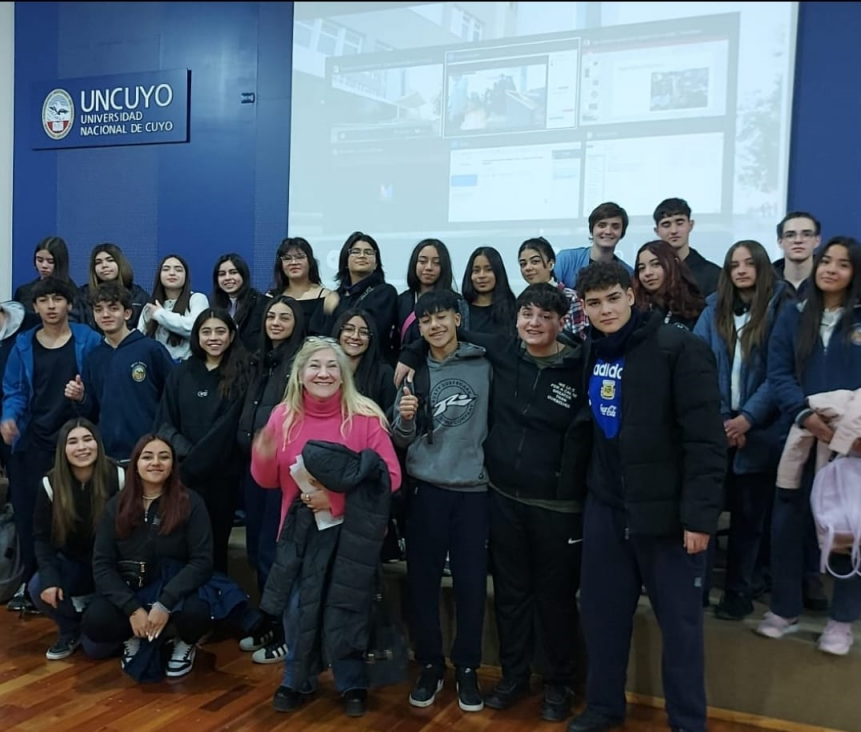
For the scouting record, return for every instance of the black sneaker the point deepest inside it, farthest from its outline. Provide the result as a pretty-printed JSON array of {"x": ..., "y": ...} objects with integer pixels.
[
  {"x": 557, "y": 703},
  {"x": 428, "y": 685},
  {"x": 506, "y": 693},
  {"x": 273, "y": 653},
  {"x": 468, "y": 691},
  {"x": 733, "y": 607},
  {"x": 63, "y": 648},
  {"x": 356, "y": 702},
  {"x": 288, "y": 700},
  {"x": 267, "y": 633},
  {"x": 21, "y": 603},
  {"x": 589, "y": 721}
]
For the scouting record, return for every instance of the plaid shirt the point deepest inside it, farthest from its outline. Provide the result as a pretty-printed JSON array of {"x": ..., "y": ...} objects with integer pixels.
[{"x": 575, "y": 320}]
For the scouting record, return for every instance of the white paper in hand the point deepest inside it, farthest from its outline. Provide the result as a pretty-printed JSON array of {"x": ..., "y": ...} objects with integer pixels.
[{"x": 300, "y": 474}]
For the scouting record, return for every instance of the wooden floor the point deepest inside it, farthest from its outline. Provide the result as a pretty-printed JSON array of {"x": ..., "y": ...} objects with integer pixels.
[{"x": 225, "y": 691}]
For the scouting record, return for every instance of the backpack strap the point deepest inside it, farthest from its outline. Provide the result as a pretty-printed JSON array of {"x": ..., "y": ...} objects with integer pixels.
[
  {"x": 411, "y": 318},
  {"x": 46, "y": 484}
]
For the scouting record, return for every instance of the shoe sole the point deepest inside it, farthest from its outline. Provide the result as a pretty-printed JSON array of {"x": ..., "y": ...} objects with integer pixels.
[
  {"x": 789, "y": 631},
  {"x": 178, "y": 674},
  {"x": 419, "y": 704},
  {"x": 285, "y": 708},
  {"x": 58, "y": 657},
  {"x": 264, "y": 660},
  {"x": 354, "y": 713},
  {"x": 470, "y": 707}
]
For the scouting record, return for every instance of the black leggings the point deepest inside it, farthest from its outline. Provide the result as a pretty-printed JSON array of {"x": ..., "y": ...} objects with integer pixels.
[{"x": 104, "y": 622}]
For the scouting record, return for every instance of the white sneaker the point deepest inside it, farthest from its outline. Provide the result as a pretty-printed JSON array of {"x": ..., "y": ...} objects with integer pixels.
[
  {"x": 774, "y": 626},
  {"x": 836, "y": 639},
  {"x": 181, "y": 660},
  {"x": 261, "y": 640},
  {"x": 273, "y": 653},
  {"x": 130, "y": 650}
]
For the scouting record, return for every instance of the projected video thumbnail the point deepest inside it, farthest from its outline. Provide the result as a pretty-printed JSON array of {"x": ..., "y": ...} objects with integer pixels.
[
  {"x": 687, "y": 89},
  {"x": 497, "y": 99},
  {"x": 679, "y": 81},
  {"x": 378, "y": 102}
]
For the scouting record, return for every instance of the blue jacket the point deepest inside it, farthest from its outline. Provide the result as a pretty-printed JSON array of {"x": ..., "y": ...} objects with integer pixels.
[
  {"x": 827, "y": 369},
  {"x": 756, "y": 400},
  {"x": 122, "y": 390},
  {"x": 569, "y": 262},
  {"x": 18, "y": 378}
]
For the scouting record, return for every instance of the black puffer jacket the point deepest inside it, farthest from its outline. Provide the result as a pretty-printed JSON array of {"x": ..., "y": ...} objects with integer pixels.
[{"x": 337, "y": 567}]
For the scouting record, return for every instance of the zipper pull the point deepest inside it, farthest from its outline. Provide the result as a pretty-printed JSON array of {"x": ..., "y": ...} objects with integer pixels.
[{"x": 627, "y": 534}]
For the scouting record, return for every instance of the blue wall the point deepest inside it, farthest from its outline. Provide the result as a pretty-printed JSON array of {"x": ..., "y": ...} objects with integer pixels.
[
  {"x": 825, "y": 152},
  {"x": 225, "y": 190}
]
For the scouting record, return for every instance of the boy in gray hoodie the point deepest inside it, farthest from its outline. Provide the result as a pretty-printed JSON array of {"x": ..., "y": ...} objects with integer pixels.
[{"x": 441, "y": 418}]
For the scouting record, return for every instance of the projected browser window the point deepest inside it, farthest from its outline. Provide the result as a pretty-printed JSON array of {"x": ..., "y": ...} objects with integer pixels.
[{"x": 487, "y": 123}]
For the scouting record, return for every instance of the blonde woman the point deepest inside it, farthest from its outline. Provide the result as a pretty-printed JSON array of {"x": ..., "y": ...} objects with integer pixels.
[{"x": 322, "y": 405}]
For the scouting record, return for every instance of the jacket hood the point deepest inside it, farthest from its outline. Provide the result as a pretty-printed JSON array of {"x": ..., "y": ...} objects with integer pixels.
[
  {"x": 14, "y": 318},
  {"x": 339, "y": 468},
  {"x": 132, "y": 338},
  {"x": 468, "y": 350}
]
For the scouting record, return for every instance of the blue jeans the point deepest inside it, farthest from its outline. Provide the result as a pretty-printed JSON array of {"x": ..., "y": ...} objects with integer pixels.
[
  {"x": 77, "y": 581},
  {"x": 846, "y": 600},
  {"x": 349, "y": 673}
]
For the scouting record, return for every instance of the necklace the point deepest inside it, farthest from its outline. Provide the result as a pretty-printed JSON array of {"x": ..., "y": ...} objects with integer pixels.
[{"x": 152, "y": 498}]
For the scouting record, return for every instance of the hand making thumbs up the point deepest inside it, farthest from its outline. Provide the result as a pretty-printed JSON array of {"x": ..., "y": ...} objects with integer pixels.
[
  {"x": 409, "y": 404},
  {"x": 75, "y": 389}
]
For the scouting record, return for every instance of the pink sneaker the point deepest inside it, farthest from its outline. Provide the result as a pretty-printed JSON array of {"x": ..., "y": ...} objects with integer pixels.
[
  {"x": 774, "y": 626},
  {"x": 836, "y": 638}
]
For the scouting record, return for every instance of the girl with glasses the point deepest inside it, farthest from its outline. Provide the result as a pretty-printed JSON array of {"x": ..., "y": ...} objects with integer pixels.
[
  {"x": 361, "y": 284},
  {"x": 297, "y": 275}
]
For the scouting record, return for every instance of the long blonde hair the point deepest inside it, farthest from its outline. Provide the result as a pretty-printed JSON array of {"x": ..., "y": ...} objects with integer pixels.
[{"x": 352, "y": 402}]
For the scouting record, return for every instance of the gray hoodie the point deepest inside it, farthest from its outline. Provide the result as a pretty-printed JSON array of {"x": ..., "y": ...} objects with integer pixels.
[
  {"x": 14, "y": 317},
  {"x": 459, "y": 395}
]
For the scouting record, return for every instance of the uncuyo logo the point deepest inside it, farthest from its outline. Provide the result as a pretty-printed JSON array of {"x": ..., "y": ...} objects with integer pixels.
[{"x": 58, "y": 114}]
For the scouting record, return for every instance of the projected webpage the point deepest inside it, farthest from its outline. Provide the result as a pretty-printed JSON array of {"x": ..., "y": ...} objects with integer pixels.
[{"x": 487, "y": 123}]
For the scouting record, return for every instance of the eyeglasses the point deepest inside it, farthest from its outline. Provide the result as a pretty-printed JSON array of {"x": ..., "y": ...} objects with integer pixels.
[
  {"x": 353, "y": 330},
  {"x": 301, "y": 257},
  {"x": 363, "y": 253},
  {"x": 806, "y": 235}
]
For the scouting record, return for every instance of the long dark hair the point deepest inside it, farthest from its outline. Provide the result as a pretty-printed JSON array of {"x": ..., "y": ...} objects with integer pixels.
[
  {"x": 64, "y": 483},
  {"x": 365, "y": 376},
  {"x": 174, "y": 506},
  {"x": 303, "y": 245},
  {"x": 445, "y": 281},
  {"x": 181, "y": 304},
  {"x": 291, "y": 346},
  {"x": 125, "y": 274},
  {"x": 502, "y": 310},
  {"x": 680, "y": 294},
  {"x": 56, "y": 247},
  {"x": 755, "y": 332},
  {"x": 247, "y": 295},
  {"x": 234, "y": 360},
  {"x": 343, "y": 276},
  {"x": 807, "y": 336}
]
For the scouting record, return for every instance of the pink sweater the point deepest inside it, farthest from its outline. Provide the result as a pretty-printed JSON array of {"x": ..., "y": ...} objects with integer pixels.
[{"x": 322, "y": 421}]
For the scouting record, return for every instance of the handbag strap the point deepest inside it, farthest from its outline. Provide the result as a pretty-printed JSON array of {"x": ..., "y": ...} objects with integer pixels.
[{"x": 411, "y": 318}]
